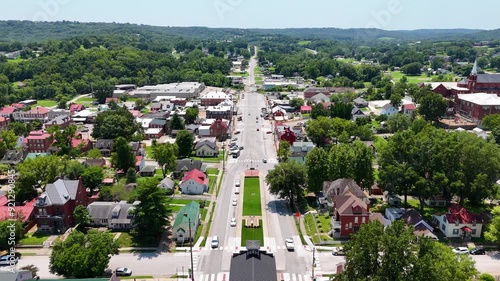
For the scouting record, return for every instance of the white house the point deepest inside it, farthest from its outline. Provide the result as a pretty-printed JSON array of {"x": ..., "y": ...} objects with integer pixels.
[
  {"x": 459, "y": 222},
  {"x": 116, "y": 216},
  {"x": 389, "y": 110},
  {"x": 194, "y": 182},
  {"x": 187, "y": 218},
  {"x": 167, "y": 184},
  {"x": 207, "y": 147},
  {"x": 357, "y": 113}
]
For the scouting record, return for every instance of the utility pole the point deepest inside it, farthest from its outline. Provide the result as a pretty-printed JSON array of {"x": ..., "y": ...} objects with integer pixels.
[
  {"x": 191, "y": 249},
  {"x": 314, "y": 264}
]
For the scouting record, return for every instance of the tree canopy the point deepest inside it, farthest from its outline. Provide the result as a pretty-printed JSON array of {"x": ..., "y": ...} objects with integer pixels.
[
  {"x": 111, "y": 124},
  {"x": 184, "y": 141},
  {"x": 122, "y": 156},
  {"x": 287, "y": 180}
]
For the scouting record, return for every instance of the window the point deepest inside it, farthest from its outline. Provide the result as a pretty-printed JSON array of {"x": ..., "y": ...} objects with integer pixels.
[
  {"x": 350, "y": 225},
  {"x": 42, "y": 212},
  {"x": 455, "y": 231},
  {"x": 363, "y": 220},
  {"x": 346, "y": 226},
  {"x": 443, "y": 227},
  {"x": 474, "y": 231},
  {"x": 356, "y": 220}
]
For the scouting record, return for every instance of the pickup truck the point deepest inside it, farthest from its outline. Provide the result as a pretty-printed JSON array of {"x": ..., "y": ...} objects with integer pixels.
[{"x": 289, "y": 244}]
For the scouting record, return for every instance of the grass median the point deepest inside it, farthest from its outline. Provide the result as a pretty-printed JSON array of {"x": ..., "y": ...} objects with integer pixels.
[{"x": 251, "y": 197}]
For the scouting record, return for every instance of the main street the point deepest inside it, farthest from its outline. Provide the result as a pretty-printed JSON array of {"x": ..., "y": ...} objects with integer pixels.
[{"x": 278, "y": 219}]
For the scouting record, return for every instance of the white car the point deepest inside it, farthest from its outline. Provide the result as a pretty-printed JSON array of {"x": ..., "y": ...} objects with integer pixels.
[
  {"x": 338, "y": 251},
  {"x": 7, "y": 260},
  {"x": 237, "y": 191},
  {"x": 215, "y": 242},
  {"x": 289, "y": 244},
  {"x": 235, "y": 202},
  {"x": 123, "y": 271},
  {"x": 237, "y": 182},
  {"x": 233, "y": 222},
  {"x": 461, "y": 250}
]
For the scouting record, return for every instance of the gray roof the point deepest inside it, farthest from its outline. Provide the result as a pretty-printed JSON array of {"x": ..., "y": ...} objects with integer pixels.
[
  {"x": 117, "y": 212},
  {"x": 104, "y": 143},
  {"x": 357, "y": 111},
  {"x": 167, "y": 183},
  {"x": 342, "y": 187},
  {"x": 59, "y": 120},
  {"x": 488, "y": 78},
  {"x": 188, "y": 164},
  {"x": 13, "y": 157},
  {"x": 158, "y": 121},
  {"x": 320, "y": 97},
  {"x": 60, "y": 192},
  {"x": 210, "y": 142},
  {"x": 260, "y": 267}
]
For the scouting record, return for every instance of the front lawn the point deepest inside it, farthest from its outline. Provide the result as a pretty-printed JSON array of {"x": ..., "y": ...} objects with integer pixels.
[
  {"x": 211, "y": 183},
  {"x": 248, "y": 233},
  {"x": 209, "y": 159},
  {"x": 212, "y": 171},
  {"x": 379, "y": 143},
  {"x": 33, "y": 239},
  {"x": 46, "y": 103},
  {"x": 85, "y": 100},
  {"x": 251, "y": 197},
  {"x": 126, "y": 240}
]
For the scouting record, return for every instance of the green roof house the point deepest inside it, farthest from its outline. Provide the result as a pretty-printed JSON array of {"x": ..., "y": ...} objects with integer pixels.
[{"x": 188, "y": 214}]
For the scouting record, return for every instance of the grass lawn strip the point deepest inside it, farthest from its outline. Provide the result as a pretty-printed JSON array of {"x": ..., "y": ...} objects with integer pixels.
[
  {"x": 248, "y": 233},
  {"x": 251, "y": 197}
]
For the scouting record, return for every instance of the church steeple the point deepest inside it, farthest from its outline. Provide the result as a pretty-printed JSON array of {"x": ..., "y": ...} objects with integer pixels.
[{"x": 474, "y": 69}]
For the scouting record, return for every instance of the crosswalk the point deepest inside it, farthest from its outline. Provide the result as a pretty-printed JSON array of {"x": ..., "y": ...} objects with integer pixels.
[
  {"x": 221, "y": 276},
  {"x": 294, "y": 277},
  {"x": 232, "y": 161},
  {"x": 231, "y": 249}
]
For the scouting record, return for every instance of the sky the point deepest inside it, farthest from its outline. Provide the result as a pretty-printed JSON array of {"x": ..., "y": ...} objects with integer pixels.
[{"x": 384, "y": 14}]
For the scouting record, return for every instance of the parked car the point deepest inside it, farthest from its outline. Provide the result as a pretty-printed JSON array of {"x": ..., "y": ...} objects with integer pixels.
[
  {"x": 237, "y": 191},
  {"x": 235, "y": 202},
  {"x": 233, "y": 222},
  {"x": 289, "y": 244},
  {"x": 477, "y": 251},
  {"x": 215, "y": 242},
  {"x": 269, "y": 132},
  {"x": 237, "y": 132},
  {"x": 237, "y": 182},
  {"x": 241, "y": 147},
  {"x": 461, "y": 250},
  {"x": 264, "y": 160},
  {"x": 6, "y": 260},
  {"x": 123, "y": 271},
  {"x": 338, "y": 251},
  {"x": 234, "y": 139}
]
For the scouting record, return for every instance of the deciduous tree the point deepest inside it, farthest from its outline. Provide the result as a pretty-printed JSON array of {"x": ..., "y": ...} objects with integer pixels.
[
  {"x": 176, "y": 123},
  {"x": 83, "y": 255},
  {"x": 111, "y": 124},
  {"x": 10, "y": 233},
  {"x": 122, "y": 156},
  {"x": 92, "y": 177},
  {"x": 287, "y": 180},
  {"x": 192, "y": 114},
  {"x": 82, "y": 216},
  {"x": 317, "y": 169},
  {"x": 184, "y": 141},
  {"x": 284, "y": 151},
  {"x": 432, "y": 107},
  {"x": 493, "y": 232},
  {"x": 165, "y": 154}
]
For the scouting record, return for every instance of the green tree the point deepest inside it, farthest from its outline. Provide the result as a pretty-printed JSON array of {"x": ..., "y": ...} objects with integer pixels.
[
  {"x": 102, "y": 90},
  {"x": 287, "y": 180},
  {"x": 176, "y": 123},
  {"x": 341, "y": 110},
  {"x": 94, "y": 153},
  {"x": 491, "y": 121},
  {"x": 493, "y": 232},
  {"x": 486, "y": 277},
  {"x": 36, "y": 172},
  {"x": 63, "y": 140},
  {"x": 316, "y": 169},
  {"x": 83, "y": 255},
  {"x": 395, "y": 254},
  {"x": 140, "y": 104},
  {"x": 152, "y": 212},
  {"x": 9, "y": 138},
  {"x": 18, "y": 128},
  {"x": 82, "y": 216},
  {"x": 92, "y": 177},
  {"x": 432, "y": 107},
  {"x": 192, "y": 114},
  {"x": 318, "y": 110},
  {"x": 7, "y": 240},
  {"x": 184, "y": 141},
  {"x": 115, "y": 123},
  {"x": 131, "y": 176},
  {"x": 165, "y": 154},
  {"x": 74, "y": 169},
  {"x": 398, "y": 122},
  {"x": 362, "y": 165},
  {"x": 284, "y": 151},
  {"x": 296, "y": 103},
  {"x": 122, "y": 156}
]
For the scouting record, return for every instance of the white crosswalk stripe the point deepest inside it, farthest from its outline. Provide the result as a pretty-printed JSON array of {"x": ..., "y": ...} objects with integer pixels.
[
  {"x": 300, "y": 277},
  {"x": 233, "y": 161},
  {"x": 294, "y": 277},
  {"x": 221, "y": 276},
  {"x": 286, "y": 276}
]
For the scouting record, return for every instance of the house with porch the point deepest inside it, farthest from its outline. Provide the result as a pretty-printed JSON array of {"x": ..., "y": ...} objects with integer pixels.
[
  {"x": 54, "y": 207},
  {"x": 186, "y": 165},
  {"x": 288, "y": 136},
  {"x": 299, "y": 150},
  {"x": 388, "y": 109},
  {"x": 105, "y": 146},
  {"x": 113, "y": 215},
  {"x": 207, "y": 147},
  {"x": 187, "y": 219},
  {"x": 459, "y": 222},
  {"x": 357, "y": 113},
  {"x": 194, "y": 182},
  {"x": 350, "y": 212}
]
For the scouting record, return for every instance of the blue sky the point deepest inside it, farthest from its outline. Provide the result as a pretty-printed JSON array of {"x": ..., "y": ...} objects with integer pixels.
[{"x": 385, "y": 14}]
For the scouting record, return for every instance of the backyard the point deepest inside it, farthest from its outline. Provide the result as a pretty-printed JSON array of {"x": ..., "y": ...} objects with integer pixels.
[
  {"x": 251, "y": 197},
  {"x": 317, "y": 228}
]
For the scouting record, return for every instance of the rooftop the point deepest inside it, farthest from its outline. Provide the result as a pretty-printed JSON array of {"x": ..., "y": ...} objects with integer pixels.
[{"x": 481, "y": 98}]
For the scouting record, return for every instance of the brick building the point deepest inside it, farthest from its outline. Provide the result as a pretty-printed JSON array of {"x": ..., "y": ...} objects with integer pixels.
[
  {"x": 38, "y": 142},
  {"x": 481, "y": 83},
  {"x": 476, "y": 106}
]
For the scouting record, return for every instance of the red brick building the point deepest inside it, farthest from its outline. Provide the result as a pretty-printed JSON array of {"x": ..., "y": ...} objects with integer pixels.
[
  {"x": 38, "y": 141},
  {"x": 481, "y": 83},
  {"x": 4, "y": 122},
  {"x": 288, "y": 136},
  {"x": 219, "y": 129},
  {"x": 445, "y": 89},
  {"x": 37, "y": 113},
  {"x": 73, "y": 108},
  {"x": 54, "y": 208},
  {"x": 476, "y": 106},
  {"x": 214, "y": 98},
  {"x": 350, "y": 213}
]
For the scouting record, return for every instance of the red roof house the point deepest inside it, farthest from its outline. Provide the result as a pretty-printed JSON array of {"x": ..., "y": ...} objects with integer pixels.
[
  {"x": 459, "y": 222},
  {"x": 108, "y": 100},
  {"x": 409, "y": 108},
  {"x": 194, "y": 182},
  {"x": 218, "y": 129},
  {"x": 305, "y": 109},
  {"x": 288, "y": 136},
  {"x": 7, "y": 111},
  {"x": 22, "y": 213},
  {"x": 76, "y": 107}
]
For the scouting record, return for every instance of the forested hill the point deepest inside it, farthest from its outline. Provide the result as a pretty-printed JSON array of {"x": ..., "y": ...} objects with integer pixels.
[{"x": 27, "y": 31}]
